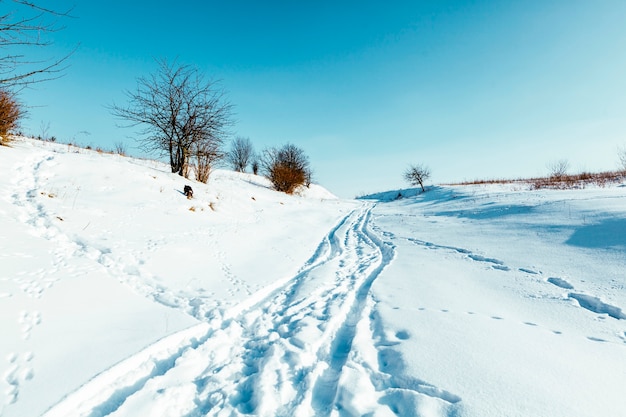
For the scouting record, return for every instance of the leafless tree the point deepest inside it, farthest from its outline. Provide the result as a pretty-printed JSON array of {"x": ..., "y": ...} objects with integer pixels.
[
  {"x": 240, "y": 154},
  {"x": 621, "y": 156},
  {"x": 417, "y": 175},
  {"x": 287, "y": 167},
  {"x": 11, "y": 111},
  {"x": 558, "y": 169},
  {"x": 25, "y": 26},
  {"x": 183, "y": 115}
]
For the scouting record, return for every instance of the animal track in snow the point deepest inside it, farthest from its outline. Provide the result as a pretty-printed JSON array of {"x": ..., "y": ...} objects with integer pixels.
[
  {"x": 20, "y": 370},
  {"x": 495, "y": 263},
  {"x": 492, "y": 317},
  {"x": 589, "y": 302},
  {"x": 28, "y": 320},
  {"x": 594, "y": 304},
  {"x": 561, "y": 283},
  {"x": 531, "y": 324}
]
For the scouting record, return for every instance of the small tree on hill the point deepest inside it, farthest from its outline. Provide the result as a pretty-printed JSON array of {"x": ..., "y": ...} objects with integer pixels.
[
  {"x": 240, "y": 154},
  {"x": 417, "y": 175},
  {"x": 287, "y": 167},
  {"x": 558, "y": 169},
  {"x": 10, "y": 114}
]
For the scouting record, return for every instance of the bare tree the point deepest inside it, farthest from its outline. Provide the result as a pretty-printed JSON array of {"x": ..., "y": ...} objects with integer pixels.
[
  {"x": 621, "y": 156},
  {"x": 287, "y": 167},
  {"x": 182, "y": 114},
  {"x": 558, "y": 169},
  {"x": 417, "y": 175},
  {"x": 11, "y": 112},
  {"x": 24, "y": 26},
  {"x": 240, "y": 154}
]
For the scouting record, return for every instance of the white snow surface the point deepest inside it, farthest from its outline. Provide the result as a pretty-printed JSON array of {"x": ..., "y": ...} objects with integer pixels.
[{"x": 121, "y": 297}]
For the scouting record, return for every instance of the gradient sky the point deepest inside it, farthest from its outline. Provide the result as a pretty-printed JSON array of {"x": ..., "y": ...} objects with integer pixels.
[{"x": 473, "y": 89}]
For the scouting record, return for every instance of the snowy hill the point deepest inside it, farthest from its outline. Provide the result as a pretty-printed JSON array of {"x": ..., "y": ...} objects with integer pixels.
[{"x": 120, "y": 297}]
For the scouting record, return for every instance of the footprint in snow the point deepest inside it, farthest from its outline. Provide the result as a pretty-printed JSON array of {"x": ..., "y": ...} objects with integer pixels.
[
  {"x": 561, "y": 283},
  {"x": 20, "y": 370},
  {"x": 28, "y": 320}
]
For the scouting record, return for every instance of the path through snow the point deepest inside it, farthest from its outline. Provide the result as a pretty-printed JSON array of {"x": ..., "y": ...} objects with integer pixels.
[{"x": 306, "y": 347}]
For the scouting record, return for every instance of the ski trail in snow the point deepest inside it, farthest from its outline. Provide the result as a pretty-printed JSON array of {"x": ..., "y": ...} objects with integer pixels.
[{"x": 291, "y": 349}]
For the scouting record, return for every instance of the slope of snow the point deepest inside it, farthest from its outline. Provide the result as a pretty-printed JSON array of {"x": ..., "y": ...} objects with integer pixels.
[
  {"x": 90, "y": 241},
  {"x": 120, "y": 297},
  {"x": 516, "y": 298}
]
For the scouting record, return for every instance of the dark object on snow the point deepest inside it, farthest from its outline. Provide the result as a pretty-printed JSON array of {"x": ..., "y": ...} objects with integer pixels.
[{"x": 188, "y": 192}]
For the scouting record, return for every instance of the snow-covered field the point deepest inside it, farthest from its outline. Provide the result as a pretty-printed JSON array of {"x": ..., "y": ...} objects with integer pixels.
[{"x": 120, "y": 297}]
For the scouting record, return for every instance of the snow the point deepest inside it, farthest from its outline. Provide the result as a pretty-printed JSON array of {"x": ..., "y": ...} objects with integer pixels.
[{"x": 120, "y": 297}]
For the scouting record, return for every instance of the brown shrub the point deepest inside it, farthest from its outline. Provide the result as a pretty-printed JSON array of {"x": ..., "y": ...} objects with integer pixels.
[
  {"x": 286, "y": 178},
  {"x": 287, "y": 168},
  {"x": 10, "y": 114}
]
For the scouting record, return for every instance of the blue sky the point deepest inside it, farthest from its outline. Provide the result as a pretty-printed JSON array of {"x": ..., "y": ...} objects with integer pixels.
[{"x": 473, "y": 89}]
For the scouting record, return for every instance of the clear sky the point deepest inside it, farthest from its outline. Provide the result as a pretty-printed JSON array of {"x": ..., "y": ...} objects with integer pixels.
[{"x": 473, "y": 89}]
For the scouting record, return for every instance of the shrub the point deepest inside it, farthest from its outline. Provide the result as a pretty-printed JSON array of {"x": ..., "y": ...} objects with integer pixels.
[
  {"x": 287, "y": 168},
  {"x": 120, "y": 148},
  {"x": 10, "y": 114},
  {"x": 204, "y": 155}
]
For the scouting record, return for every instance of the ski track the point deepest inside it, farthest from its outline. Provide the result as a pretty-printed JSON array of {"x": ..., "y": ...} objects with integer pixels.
[{"x": 292, "y": 349}]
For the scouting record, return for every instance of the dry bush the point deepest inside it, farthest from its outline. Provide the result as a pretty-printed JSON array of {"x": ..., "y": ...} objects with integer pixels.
[
  {"x": 10, "y": 114},
  {"x": 287, "y": 168},
  {"x": 204, "y": 155},
  {"x": 563, "y": 182},
  {"x": 120, "y": 148},
  {"x": 287, "y": 179},
  {"x": 203, "y": 170},
  {"x": 488, "y": 181},
  {"x": 574, "y": 181}
]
